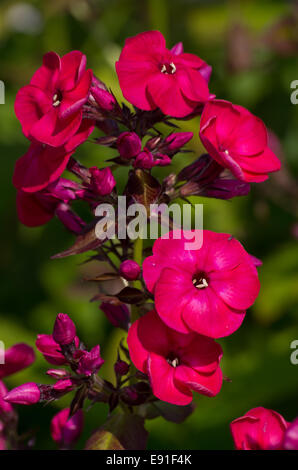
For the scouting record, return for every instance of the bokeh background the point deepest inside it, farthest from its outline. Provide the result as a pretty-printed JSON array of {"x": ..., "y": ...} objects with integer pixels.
[{"x": 253, "y": 48}]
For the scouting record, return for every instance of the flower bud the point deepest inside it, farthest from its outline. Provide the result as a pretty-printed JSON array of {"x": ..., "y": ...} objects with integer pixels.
[
  {"x": 90, "y": 362},
  {"x": 50, "y": 350},
  {"x": 176, "y": 140},
  {"x": 26, "y": 394},
  {"x": 118, "y": 315},
  {"x": 121, "y": 367},
  {"x": 144, "y": 160},
  {"x": 222, "y": 188},
  {"x": 162, "y": 160},
  {"x": 103, "y": 98},
  {"x": 64, "y": 385},
  {"x": 291, "y": 436},
  {"x": 64, "y": 331},
  {"x": 177, "y": 49},
  {"x": 70, "y": 219},
  {"x": 206, "y": 71},
  {"x": 65, "y": 431},
  {"x": 57, "y": 373},
  {"x": 17, "y": 357},
  {"x": 129, "y": 145},
  {"x": 136, "y": 394},
  {"x": 153, "y": 143},
  {"x": 5, "y": 407},
  {"x": 130, "y": 270},
  {"x": 102, "y": 181}
]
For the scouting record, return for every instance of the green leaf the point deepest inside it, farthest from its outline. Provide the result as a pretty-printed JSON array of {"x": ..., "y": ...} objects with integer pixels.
[{"x": 122, "y": 431}]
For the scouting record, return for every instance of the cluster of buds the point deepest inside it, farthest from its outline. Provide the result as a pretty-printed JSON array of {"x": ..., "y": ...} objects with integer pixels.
[
  {"x": 79, "y": 375},
  {"x": 157, "y": 151},
  {"x": 16, "y": 358}
]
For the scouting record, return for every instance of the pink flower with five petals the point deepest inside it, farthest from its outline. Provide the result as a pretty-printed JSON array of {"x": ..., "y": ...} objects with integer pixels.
[
  {"x": 259, "y": 429},
  {"x": 237, "y": 140},
  {"x": 50, "y": 107},
  {"x": 152, "y": 76},
  {"x": 176, "y": 363},
  {"x": 205, "y": 290}
]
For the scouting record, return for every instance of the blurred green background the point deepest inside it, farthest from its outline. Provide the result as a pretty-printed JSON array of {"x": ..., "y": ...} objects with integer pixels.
[{"x": 252, "y": 47}]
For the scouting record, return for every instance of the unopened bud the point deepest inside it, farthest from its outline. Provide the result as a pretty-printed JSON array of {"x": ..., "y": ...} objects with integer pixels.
[
  {"x": 130, "y": 270},
  {"x": 129, "y": 145},
  {"x": 121, "y": 367},
  {"x": 64, "y": 331},
  {"x": 26, "y": 394}
]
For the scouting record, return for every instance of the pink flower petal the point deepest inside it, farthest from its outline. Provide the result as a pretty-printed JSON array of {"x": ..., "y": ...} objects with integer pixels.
[
  {"x": 192, "y": 84},
  {"x": 259, "y": 429},
  {"x": 169, "y": 307},
  {"x": 30, "y": 212},
  {"x": 74, "y": 99},
  {"x": 54, "y": 131},
  {"x": 138, "y": 354},
  {"x": 163, "y": 384},
  {"x": 164, "y": 249},
  {"x": 133, "y": 79},
  {"x": 166, "y": 93},
  {"x": 205, "y": 384},
  {"x": 238, "y": 288},
  {"x": 40, "y": 166},
  {"x": 148, "y": 43},
  {"x": 143, "y": 343},
  {"x": 47, "y": 75},
  {"x": 30, "y": 105},
  {"x": 208, "y": 315},
  {"x": 73, "y": 65},
  {"x": 202, "y": 354},
  {"x": 262, "y": 163},
  {"x": 250, "y": 137},
  {"x": 189, "y": 60}
]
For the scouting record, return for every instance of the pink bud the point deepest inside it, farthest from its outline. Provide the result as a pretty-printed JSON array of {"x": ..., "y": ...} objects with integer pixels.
[
  {"x": 129, "y": 145},
  {"x": 70, "y": 219},
  {"x": 103, "y": 98},
  {"x": 144, "y": 160},
  {"x": 102, "y": 181},
  {"x": 50, "y": 350},
  {"x": 223, "y": 188},
  {"x": 26, "y": 394},
  {"x": 90, "y": 362},
  {"x": 66, "y": 431},
  {"x": 5, "y": 407},
  {"x": 206, "y": 71},
  {"x": 176, "y": 140},
  {"x": 136, "y": 394},
  {"x": 162, "y": 160},
  {"x": 64, "y": 385},
  {"x": 121, "y": 367},
  {"x": 64, "y": 331},
  {"x": 291, "y": 436},
  {"x": 16, "y": 358},
  {"x": 58, "y": 373},
  {"x": 177, "y": 49},
  {"x": 130, "y": 270},
  {"x": 118, "y": 315}
]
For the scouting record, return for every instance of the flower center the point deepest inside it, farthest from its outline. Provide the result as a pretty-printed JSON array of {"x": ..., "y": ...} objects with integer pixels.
[
  {"x": 173, "y": 360},
  {"x": 168, "y": 68},
  {"x": 57, "y": 98},
  {"x": 200, "y": 281}
]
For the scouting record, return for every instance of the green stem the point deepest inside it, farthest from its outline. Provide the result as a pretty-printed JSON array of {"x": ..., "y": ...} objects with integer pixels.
[{"x": 138, "y": 258}]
